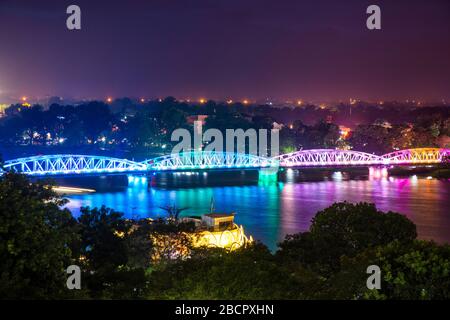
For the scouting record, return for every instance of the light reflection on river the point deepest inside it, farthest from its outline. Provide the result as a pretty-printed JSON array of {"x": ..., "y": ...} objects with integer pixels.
[{"x": 269, "y": 211}]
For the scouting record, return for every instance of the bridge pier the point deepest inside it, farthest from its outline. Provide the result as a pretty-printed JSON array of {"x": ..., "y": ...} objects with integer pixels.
[
  {"x": 378, "y": 172},
  {"x": 268, "y": 174}
]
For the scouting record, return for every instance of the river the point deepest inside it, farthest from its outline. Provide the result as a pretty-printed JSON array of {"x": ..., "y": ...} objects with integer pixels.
[{"x": 271, "y": 210}]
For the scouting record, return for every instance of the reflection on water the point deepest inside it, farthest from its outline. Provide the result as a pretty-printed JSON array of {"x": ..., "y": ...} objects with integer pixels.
[{"x": 272, "y": 210}]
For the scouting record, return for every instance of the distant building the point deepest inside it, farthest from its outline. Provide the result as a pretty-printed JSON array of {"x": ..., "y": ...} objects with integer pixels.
[
  {"x": 329, "y": 119},
  {"x": 277, "y": 126},
  {"x": 201, "y": 118}
]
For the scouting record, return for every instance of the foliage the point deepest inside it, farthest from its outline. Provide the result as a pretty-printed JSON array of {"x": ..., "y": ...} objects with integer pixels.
[
  {"x": 344, "y": 229},
  {"x": 105, "y": 247},
  {"x": 417, "y": 270},
  {"x": 147, "y": 127},
  {"x": 249, "y": 273},
  {"x": 35, "y": 240}
]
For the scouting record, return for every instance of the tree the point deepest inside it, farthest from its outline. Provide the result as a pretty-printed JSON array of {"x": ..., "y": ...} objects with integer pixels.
[
  {"x": 143, "y": 130},
  {"x": 417, "y": 270},
  {"x": 344, "y": 229},
  {"x": 247, "y": 273},
  {"x": 173, "y": 119},
  {"x": 140, "y": 245},
  {"x": 102, "y": 248},
  {"x": 173, "y": 212},
  {"x": 371, "y": 139},
  {"x": 36, "y": 238},
  {"x": 95, "y": 117},
  {"x": 102, "y": 234},
  {"x": 287, "y": 141}
]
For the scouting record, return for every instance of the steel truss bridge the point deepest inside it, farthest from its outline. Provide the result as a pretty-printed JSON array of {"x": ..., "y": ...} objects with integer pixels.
[
  {"x": 87, "y": 164},
  {"x": 331, "y": 157}
]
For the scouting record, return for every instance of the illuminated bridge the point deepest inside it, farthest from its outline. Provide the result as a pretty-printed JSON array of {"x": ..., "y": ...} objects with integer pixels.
[
  {"x": 71, "y": 164},
  {"x": 208, "y": 160},
  {"x": 332, "y": 157},
  {"x": 84, "y": 164}
]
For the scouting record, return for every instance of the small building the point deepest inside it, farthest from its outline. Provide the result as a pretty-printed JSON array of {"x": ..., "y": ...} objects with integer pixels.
[
  {"x": 220, "y": 231},
  {"x": 218, "y": 221}
]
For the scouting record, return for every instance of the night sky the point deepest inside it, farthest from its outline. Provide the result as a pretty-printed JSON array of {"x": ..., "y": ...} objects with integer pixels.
[{"x": 255, "y": 49}]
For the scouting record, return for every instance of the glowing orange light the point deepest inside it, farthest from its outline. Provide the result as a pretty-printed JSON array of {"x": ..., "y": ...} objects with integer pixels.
[
  {"x": 202, "y": 100},
  {"x": 230, "y": 101},
  {"x": 24, "y": 98},
  {"x": 299, "y": 102},
  {"x": 109, "y": 99},
  {"x": 142, "y": 100},
  {"x": 245, "y": 101}
]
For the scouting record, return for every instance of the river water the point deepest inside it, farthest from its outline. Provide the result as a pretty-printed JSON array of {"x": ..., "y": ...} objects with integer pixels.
[{"x": 271, "y": 210}]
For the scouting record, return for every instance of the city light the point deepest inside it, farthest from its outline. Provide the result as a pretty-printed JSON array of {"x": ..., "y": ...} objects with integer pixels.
[{"x": 71, "y": 190}]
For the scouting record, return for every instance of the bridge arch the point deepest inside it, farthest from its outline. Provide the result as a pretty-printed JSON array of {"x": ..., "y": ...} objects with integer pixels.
[
  {"x": 71, "y": 164},
  {"x": 196, "y": 160},
  {"x": 416, "y": 156},
  {"x": 327, "y": 157}
]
